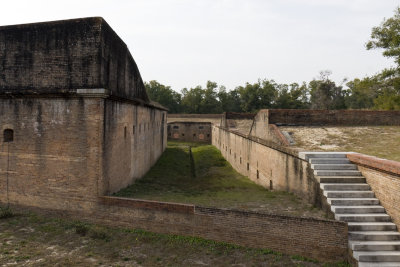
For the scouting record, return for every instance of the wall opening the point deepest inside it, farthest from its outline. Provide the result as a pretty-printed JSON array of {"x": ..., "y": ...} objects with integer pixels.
[
  {"x": 8, "y": 135},
  {"x": 258, "y": 175},
  {"x": 248, "y": 166},
  {"x": 133, "y": 129},
  {"x": 270, "y": 185},
  {"x": 125, "y": 132}
]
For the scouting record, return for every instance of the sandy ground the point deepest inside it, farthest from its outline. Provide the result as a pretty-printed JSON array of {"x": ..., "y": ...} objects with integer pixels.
[{"x": 380, "y": 141}]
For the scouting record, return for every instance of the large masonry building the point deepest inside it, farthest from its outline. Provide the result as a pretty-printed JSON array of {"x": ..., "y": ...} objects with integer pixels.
[{"x": 75, "y": 120}]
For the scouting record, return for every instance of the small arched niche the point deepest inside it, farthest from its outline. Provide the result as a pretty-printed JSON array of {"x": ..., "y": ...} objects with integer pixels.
[{"x": 8, "y": 135}]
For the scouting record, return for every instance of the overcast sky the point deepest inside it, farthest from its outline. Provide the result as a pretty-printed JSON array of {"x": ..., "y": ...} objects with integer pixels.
[{"x": 184, "y": 43}]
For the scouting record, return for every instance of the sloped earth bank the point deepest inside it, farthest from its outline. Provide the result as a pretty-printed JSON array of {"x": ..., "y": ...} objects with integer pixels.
[
  {"x": 379, "y": 141},
  {"x": 33, "y": 240},
  {"x": 216, "y": 184}
]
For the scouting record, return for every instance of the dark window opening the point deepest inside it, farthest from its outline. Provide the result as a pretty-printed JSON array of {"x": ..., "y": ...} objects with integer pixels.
[
  {"x": 133, "y": 129},
  {"x": 258, "y": 175},
  {"x": 208, "y": 135},
  {"x": 176, "y": 127},
  {"x": 240, "y": 160},
  {"x": 248, "y": 166},
  {"x": 201, "y": 127},
  {"x": 194, "y": 135},
  {"x": 8, "y": 135},
  {"x": 125, "y": 132},
  {"x": 230, "y": 151},
  {"x": 183, "y": 134},
  {"x": 270, "y": 185}
]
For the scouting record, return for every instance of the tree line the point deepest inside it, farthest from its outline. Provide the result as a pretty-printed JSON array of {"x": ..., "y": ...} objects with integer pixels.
[{"x": 380, "y": 91}]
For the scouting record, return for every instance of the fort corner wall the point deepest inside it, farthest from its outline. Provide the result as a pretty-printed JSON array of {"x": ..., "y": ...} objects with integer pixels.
[
  {"x": 53, "y": 161},
  {"x": 72, "y": 98}
]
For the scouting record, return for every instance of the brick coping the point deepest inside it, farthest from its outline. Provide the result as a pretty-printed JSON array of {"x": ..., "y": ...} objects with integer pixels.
[
  {"x": 385, "y": 165},
  {"x": 193, "y": 209}
]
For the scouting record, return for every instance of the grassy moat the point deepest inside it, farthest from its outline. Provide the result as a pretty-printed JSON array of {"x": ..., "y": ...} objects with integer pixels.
[
  {"x": 215, "y": 184},
  {"x": 36, "y": 240}
]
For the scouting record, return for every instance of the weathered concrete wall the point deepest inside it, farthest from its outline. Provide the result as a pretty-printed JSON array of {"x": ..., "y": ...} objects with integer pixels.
[
  {"x": 190, "y": 131},
  {"x": 135, "y": 137},
  {"x": 268, "y": 164},
  {"x": 384, "y": 178},
  {"x": 333, "y": 117},
  {"x": 315, "y": 238},
  {"x": 54, "y": 160}
]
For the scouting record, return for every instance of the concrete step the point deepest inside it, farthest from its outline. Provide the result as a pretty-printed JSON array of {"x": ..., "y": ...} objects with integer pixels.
[
  {"x": 337, "y": 173},
  {"x": 374, "y": 236},
  {"x": 377, "y": 256},
  {"x": 349, "y": 194},
  {"x": 375, "y": 245},
  {"x": 334, "y": 166},
  {"x": 371, "y": 226},
  {"x": 371, "y": 217},
  {"x": 353, "y": 201},
  {"x": 379, "y": 264},
  {"x": 341, "y": 179},
  {"x": 357, "y": 209},
  {"x": 312, "y": 155},
  {"x": 345, "y": 186},
  {"x": 329, "y": 161}
]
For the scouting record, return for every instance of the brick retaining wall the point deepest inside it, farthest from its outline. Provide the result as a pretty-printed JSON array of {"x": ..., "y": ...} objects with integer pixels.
[
  {"x": 384, "y": 178},
  {"x": 333, "y": 117}
]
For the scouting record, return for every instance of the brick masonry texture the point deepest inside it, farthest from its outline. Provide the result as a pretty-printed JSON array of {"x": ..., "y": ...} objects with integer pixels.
[
  {"x": 384, "y": 178},
  {"x": 67, "y": 152},
  {"x": 83, "y": 126},
  {"x": 267, "y": 163},
  {"x": 333, "y": 117},
  {"x": 314, "y": 238},
  {"x": 62, "y": 56},
  {"x": 190, "y": 131}
]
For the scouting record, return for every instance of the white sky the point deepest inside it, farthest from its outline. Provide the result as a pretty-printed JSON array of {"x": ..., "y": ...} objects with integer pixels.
[{"x": 184, "y": 43}]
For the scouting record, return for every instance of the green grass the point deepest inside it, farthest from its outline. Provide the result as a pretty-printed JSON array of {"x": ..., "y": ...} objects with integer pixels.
[
  {"x": 37, "y": 240},
  {"x": 216, "y": 184}
]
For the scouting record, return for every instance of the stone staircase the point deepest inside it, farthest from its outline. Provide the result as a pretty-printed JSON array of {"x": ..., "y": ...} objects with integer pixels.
[{"x": 373, "y": 238}]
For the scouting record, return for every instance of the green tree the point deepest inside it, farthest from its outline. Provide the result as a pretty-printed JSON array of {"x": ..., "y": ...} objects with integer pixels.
[
  {"x": 292, "y": 96},
  {"x": 387, "y": 36},
  {"x": 325, "y": 94},
  {"x": 230, "y": 101},
  {"x": 210, "y": 103},
  {"x": 362, "y": 93},
  {"x": 164, "y": 95},
  {"x": 257, "y": 96}
]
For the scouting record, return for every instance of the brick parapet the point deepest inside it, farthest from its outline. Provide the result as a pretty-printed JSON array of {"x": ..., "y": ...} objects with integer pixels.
[
  {"x": 278, "y": 134},
  {"x": 333, "y": 117},
  {"x": 387, "y": 166},
  {"x": 147, "y": 204}
]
